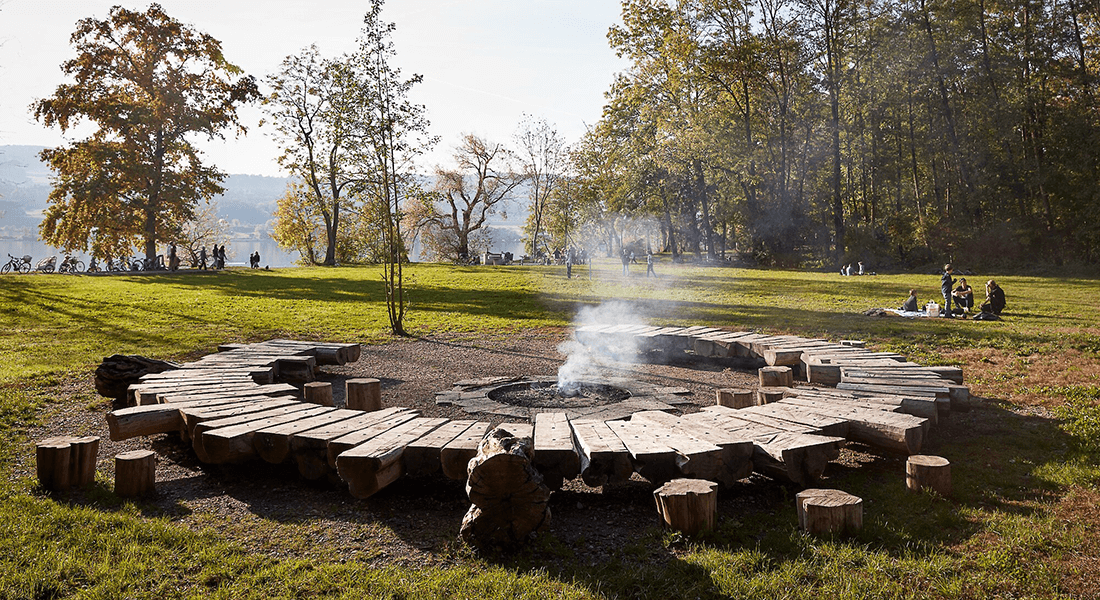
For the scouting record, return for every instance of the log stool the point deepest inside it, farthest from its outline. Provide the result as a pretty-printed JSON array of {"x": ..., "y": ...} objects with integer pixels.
[
  {"x": 64, "y": 462},
  {"x": 928, "y": 472},
  {"x": 507, "y": 495},
  {"x": 135, "y": 473},
  {"x": 318, "y": 392},
  {"x": 364, "y": 394},
  {"x": 688, "y": 505},
  {"x": 824, "y": 512},
  {"x": 769, "y": 395},
  {"x": 776, "y": 377},
  {"x": 734, "y": 398}
]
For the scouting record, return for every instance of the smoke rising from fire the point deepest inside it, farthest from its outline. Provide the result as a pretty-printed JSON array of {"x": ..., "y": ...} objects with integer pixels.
[{"x": 593, "y": 362}]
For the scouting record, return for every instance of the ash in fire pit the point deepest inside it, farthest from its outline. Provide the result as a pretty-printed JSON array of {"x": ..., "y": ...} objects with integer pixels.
[{"x": 551, "y": 395}]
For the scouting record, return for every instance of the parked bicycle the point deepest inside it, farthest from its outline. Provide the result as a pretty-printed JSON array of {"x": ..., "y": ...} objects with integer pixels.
[
  {"x": 145, "y": 264},
  {"x": 46, "y": 265},
  {"x": 19, "y": 265},
  {"x": 71, "y": 265},
  {"x": 93, "y": 266}
]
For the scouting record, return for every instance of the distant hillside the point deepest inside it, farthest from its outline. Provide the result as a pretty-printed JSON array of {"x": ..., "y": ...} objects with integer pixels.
[{"x": 248, "y": 202}]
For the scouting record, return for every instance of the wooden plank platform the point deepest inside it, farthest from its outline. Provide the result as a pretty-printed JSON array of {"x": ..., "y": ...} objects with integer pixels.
[
  {"x": 376, "y": 463},
  {"x": 603, "y": 456}
]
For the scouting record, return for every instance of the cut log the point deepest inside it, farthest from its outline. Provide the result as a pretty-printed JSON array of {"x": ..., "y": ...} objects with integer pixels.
[
  {"x": 85, "y": 452},
  {"x": 775, "y": 415},
  {"x": 688, "y": 505},
  {"x": 737, "y": 449},
  {"x": 424, "y": 456},
  {"x": 829, "y": 512},
  {"x": 296, "y": 369},
  {"x": 197, "y": 428},
  {"x": 735, "y": 397},
  {"x": 310, "y": 448},
  {"x": 118, "y": 372},
  {"x": 233, "y": 444},
  {"x": 603, "y": 456},
  {"x": 364, "y": 394},
  {"x": 555, "y": 455},
  {"x": 510, "y": 502},
  {"x": 456, "y": 455},
  {"x": 344, "y": 443},
  {"x": 318, "y": 392},
  {"x": 783, "y": 356},
  {"x": 135, "y": 473},
  {"x": 53, "y": 458},
  {"x": 897, "y": 432},
  {"x": 378, "y": 462},
  {"x": 770, "y": 395},
  {"x": 928, "y": 472},
  {"x": 652, "y": 459},
  {"x": 273, "y": 444},
  {"x": 776, "y": 377}
]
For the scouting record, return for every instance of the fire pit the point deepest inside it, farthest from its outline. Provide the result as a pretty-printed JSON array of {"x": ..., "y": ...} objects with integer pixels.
[{"x": 524, "y": 397}]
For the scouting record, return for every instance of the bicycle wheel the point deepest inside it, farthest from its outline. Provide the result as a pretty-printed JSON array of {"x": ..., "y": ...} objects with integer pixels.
[
  {"x": 4, "y": 269},
  {"x": 78, "y": 266},
  {"x": 24, "y": 268},
  {"x": 48, "y": 269},
  {"x": 138, "y": 265}
]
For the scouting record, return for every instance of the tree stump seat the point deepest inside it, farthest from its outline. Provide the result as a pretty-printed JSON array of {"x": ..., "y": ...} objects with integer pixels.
[
  {"x": 928, "y": 472},
  {"x": 688, "y": 505},
  {"x": 829, "y": 512}
]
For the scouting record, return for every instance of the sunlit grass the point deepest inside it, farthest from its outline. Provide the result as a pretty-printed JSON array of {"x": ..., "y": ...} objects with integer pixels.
[{"x": 997, "y": 536}]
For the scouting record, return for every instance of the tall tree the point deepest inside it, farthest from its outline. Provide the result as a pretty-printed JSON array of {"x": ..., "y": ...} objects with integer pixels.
[
  {"x": 542, "y": 153},
  {"x": 150, "y": 84},
  {"x": 466, "y": 195}
]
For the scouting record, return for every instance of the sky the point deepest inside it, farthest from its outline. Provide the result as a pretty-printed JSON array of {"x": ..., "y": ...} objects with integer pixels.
[{"x": 485, "y": 63}]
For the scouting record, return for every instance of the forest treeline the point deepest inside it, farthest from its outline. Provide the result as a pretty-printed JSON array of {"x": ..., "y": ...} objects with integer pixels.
[{"x": 899, "y": 132}]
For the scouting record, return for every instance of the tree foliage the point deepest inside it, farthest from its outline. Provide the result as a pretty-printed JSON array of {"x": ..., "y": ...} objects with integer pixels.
[
  {"x": 542, "y": 154},
  {"x": 896, "y": 131},
  {"x": 150, "y": 84},
  {"x": 452, "y": 219}
]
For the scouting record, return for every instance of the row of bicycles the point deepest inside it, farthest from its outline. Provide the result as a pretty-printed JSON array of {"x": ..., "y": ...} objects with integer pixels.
[{"x": 22, "y": 264}]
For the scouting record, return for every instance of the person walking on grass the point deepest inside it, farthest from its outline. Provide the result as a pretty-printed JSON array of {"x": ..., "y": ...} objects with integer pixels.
[
  {"x": 626, "y": 261},
  {"x": 649, "y": 265},
  {"x": 947, "y": 285}
]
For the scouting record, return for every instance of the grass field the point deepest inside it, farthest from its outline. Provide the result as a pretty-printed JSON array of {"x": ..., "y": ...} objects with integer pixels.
[{"x": 1023, "y": 521}]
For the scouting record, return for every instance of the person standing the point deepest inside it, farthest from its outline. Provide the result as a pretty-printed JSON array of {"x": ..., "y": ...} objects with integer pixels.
[
  {"x": 569, "y": 265},
  {"x": 946, "y": 286},
  {"x": 649, "y": 265},
  {"x": 173, "y": 259},
  {"x": 221, "y": 257},
  {"x": 626, "y": 261},
  {"x": 202, "y": 258}
]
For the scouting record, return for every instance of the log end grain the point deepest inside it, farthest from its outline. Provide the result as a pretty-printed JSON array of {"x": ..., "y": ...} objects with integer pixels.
[
  {"x": 824, "y": 512},
  {"x": 688, "y": 505}
]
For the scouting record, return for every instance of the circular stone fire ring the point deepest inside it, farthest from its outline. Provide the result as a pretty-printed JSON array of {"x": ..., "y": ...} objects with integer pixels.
[{"x": 525, "y": 397}]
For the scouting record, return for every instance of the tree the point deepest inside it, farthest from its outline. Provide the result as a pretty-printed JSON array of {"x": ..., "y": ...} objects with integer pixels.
[
  {"x": 543, "y": 156},
  {"x": 204, "y": 228},
  {"x": 150, "y": 84},
  {"x": 466, "y": 195}
]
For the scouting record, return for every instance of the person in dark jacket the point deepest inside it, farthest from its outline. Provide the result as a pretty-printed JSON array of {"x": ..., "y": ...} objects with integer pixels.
[
  {"x": 963, "y": 295},
  {"x": 946, "y": 285},
  {"x": 994, "y": 298}
]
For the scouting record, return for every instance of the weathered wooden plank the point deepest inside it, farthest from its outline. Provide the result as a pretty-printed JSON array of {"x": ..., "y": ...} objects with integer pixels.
[
  {"x": 652, "y": 459},
  {"x": 378, "y": 462},
  {"x": 273, "y": 444},
  {"x": 310, "y": 448},
  {"x": 554, "y": 452},
  {"x": 824, "y": 424},
  {"x": 424, "y": 456},
  {"x": 135, "y": 421},
  {"x": 233, "y": 444},
  {"x": 603, "y": 456},
  {"x": 191, "y": 415},
  {"x": 342, "y": 444},
  {"x": 456, "y": 455},
  {"x": 897, "y": 432},
  {"x": 270, "y": 390},
  {"x": 736, "y": 450}
]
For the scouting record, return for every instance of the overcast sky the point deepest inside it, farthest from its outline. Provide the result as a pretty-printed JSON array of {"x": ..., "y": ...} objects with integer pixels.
[{"x": 485, "y": 62}]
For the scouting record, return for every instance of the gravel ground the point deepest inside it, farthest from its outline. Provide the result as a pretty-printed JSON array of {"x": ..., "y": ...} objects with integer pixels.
[{"x": 414, "y": 522}]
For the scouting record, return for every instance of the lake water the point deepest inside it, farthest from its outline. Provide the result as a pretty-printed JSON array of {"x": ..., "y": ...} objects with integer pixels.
[{"x": 237, "y": 252}]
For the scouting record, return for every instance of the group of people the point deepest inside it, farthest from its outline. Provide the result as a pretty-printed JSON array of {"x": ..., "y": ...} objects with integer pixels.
[
  {"x": 254, "y": 260},
  {"x": 628, "y": 258},
  {"x": 846, "y": 270},
  {"x": 217, "y": 258},
  {"x": 961, "y": 296}
]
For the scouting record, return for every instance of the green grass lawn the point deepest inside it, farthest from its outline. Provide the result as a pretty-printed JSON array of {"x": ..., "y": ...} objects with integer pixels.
[{"x": 1021, "y": 523}]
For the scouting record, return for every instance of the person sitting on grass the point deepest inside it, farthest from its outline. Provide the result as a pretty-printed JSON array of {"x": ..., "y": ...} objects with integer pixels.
[
  {"x": 994, "y": 298},
  {"x": 963, "y": 295},
  {"x": 911, "y": 302}
]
